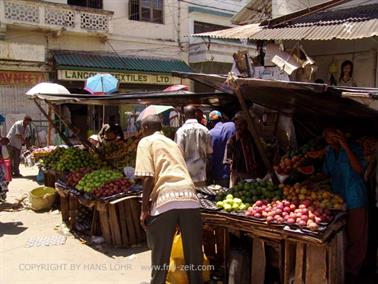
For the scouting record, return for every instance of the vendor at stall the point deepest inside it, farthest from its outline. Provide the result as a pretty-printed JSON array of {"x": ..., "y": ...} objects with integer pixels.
[
  {"x": 108, "y": 134},
  {"x": 241, "y": 153},
  {"x": 344, "y": 164},
  {"x": 93, "y": 139},
  {"x": 370, "y": 148},
  {"x": 116, "y": 128}
]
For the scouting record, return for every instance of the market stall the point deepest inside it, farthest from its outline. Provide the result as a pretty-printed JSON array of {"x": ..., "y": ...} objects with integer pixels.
[
  {"x": 295, "y": 229},
  {"x": 295, "y": 223},
  {"x": 98, "y": 196}
]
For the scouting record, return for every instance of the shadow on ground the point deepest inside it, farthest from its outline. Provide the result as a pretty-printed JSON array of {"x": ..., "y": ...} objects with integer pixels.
[{"x": 11, "y": 228}]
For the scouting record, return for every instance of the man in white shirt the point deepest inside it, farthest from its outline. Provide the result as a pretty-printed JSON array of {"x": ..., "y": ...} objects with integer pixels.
[
  {"x": 195, "y": 141},
  {"x": 17, "y": 136},
  {"x": 174, "y": 118}
]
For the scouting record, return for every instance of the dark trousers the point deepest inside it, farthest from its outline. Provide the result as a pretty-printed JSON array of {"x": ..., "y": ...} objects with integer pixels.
[
  {"x": 15, "y": 155},
  {"x": 160, "y": 233}
]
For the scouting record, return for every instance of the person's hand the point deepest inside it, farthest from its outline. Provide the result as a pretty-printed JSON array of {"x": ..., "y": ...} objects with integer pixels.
[
  {"x": 342, "y": 139},
  {"x": 143, "y": 218}
]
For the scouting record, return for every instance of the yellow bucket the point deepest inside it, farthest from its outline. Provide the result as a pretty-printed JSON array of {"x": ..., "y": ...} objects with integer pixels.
[{"x": 42, "y": 198}]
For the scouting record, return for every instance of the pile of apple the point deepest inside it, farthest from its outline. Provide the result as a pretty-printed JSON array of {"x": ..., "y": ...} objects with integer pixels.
[
  {"x": 321, "y": 199},
  {"x": 288, "y": 165},
  {"x": 112, "y": 187},
  {"x": 74, "y": 177},
  {"x": 304, "y": 215}
]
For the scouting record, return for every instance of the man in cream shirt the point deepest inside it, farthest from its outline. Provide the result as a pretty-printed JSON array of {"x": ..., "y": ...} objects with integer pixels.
[{"x": 169, "y": 201}]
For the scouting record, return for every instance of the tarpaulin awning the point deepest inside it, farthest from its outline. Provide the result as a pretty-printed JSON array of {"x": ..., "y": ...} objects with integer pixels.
[
  {"x": 240, "y": 32},
  {"x": 157, "y": 98},
  {"x": 298, "y": 97}
]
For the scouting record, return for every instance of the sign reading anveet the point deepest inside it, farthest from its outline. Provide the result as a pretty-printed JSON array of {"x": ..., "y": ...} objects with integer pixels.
[
  {"x": 21, "y": 78},
  {"x": 125, "y": 78}
]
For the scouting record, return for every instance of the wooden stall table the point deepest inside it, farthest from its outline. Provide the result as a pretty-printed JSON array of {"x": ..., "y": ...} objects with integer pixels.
[
  {"x": 301, "y": 258},
  {"x": 117, "y": 220}
]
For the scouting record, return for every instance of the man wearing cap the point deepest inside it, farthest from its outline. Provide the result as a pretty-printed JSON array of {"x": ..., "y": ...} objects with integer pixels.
[
  {"x": 17, "y": 136},
  {"x": 220, "y": 133},
  {"x": 195, "y": 142},
  {"x": 241, "y": 153}
]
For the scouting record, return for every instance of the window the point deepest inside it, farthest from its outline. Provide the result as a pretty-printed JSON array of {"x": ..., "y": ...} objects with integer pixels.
[
  {"x": 86, "y": 3},
  {"x": 200, "y": 27},
  {"x": 146, "y": 10}
]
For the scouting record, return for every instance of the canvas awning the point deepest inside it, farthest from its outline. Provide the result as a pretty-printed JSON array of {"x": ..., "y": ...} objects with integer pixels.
[
  {"x": 157, "y": 98},
  {"x": 298, "y": 97}
]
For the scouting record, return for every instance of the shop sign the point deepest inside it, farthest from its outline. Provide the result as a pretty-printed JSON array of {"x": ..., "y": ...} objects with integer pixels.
[
  {"x": 124, "y": 78},
  {"x": 21, "y": 78}
]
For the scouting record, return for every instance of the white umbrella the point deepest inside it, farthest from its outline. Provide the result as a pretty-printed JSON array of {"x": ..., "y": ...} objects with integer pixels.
[{"x": 48, "y": 88}]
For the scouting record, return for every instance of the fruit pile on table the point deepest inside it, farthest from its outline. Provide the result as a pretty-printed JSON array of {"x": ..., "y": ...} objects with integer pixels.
[
  {"x": 69, "y": 159},
  {"x": 97, "y": 179}
]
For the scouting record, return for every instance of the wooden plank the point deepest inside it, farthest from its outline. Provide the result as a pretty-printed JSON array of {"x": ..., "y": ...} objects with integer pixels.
[
  {"x": 258, "y": 262},
  {"x": 332, "y": 262},
  {"x": 95, "y": 225},
  {"x": 209, "y": 244},
  {"x": 129, "y": 223},
  {"x": 340, "y": 257},
  {"x": 135, "y": 213},
  {"x": 289, "y": 262},
  {"x": 123, "y": 199},
  {"x": 226, "y": 252},
  {"x": 298, "y": 278},
  {"x": 73, "y": 208},
  {"x": 316, "y": 264},
  {"x": 114, "y": 226},
  {"x": 122, "y": 222},
  {"x": 105, "y": 227},
  {"x": 220, "y": 243},
  {"x": 64, "y": 208}
]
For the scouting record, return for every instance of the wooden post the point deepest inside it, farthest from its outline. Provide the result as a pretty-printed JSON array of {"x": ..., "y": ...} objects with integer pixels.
[
  {"x": 49, "y": 128},
  {"x": 256, "y": 137},
  {"x": 57, "y": 128}
]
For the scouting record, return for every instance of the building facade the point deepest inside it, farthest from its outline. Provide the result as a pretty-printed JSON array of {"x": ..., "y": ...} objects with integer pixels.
[{"x": 139, "y": 41}]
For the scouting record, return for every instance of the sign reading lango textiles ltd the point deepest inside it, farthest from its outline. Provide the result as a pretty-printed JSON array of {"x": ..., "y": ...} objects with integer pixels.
[{"x": 125, "y": 78}]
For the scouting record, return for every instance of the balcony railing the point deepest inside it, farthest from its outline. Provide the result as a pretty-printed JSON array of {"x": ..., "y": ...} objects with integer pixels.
[{"x": 55, "y": 16}]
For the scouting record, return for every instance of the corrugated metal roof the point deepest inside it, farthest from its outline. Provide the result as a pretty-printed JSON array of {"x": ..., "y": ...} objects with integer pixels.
[
  {"x": 254, "y": 12},
  {"x": 113, "y": 62},
  {"x": 336, "y": 16},
  {"x": 353, "y": 19},
  {"x": 346, "y": 30},
  {"x": 240, "y": 32}
]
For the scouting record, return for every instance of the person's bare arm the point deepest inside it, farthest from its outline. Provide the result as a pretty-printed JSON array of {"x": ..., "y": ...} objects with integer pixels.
[
  {"x": 354, "y": 162},
  {"x": 148, "y": 183}
]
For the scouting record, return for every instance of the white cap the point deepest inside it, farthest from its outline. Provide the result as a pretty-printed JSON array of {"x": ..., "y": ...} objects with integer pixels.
[{"x": 94, "y": 137}]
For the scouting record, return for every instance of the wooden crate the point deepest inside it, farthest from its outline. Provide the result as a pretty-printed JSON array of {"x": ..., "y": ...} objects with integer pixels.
[
  {"x": 296, "y": 259},
  {"x": 119, "y": 222},
  {"x": 64, "y": 203}
]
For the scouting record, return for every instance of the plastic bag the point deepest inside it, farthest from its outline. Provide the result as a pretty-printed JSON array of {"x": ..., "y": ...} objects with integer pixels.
[
  {"x": 40, "y": 177},
  {"x": 175, "y": 274}
]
